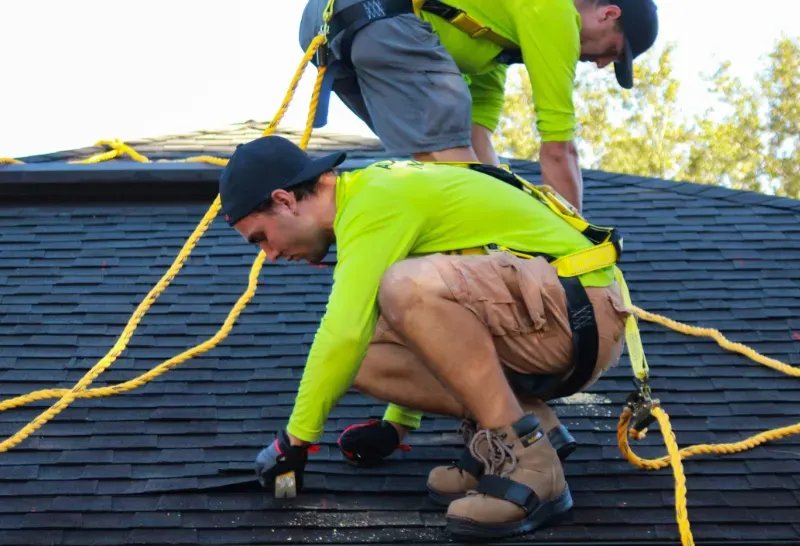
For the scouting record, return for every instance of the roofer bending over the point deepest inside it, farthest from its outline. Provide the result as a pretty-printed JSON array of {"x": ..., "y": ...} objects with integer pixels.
[
  {"x": 415, "y": 319},
  {"x": 412, "y": 71}
]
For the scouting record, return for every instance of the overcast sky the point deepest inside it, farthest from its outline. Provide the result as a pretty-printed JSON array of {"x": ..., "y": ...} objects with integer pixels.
[{"x": 80, "y": 71}]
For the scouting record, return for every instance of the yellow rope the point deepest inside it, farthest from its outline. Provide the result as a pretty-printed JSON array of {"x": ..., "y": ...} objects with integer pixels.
[
  {"x": 721, "y": 340},
  {"x": 118, "y": 148},
  {"x": 674, "y": 455},
  {"x": 67, "y": 396}
]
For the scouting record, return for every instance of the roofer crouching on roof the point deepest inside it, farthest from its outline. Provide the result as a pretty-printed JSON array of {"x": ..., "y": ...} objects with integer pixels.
[
  {"x": 428, "y": 76},
  {"x": 414, "y": 320}
]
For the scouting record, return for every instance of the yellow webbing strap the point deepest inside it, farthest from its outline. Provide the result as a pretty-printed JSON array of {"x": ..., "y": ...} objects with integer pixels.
[
  {"x": 632, "y": 337},
  {"x": 586, "y": 260},
  {"x": 471, "y": 26}
]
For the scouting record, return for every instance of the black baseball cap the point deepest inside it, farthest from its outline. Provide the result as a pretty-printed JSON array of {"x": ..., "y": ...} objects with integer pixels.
[
  {"x": 264, "y": 165},
  {"x": 639, "y": 21}
]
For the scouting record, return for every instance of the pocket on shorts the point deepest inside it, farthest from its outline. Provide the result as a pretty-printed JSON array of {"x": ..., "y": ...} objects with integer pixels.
[{"x": 501, "y": 294}]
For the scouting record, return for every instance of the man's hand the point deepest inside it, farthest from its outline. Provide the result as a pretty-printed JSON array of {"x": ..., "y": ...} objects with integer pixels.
[
  {"x": 279, "y": 458},
  {"x": 562, "y": 172}
]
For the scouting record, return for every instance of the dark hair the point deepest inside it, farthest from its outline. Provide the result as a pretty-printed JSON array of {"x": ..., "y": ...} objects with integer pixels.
[{"x": 301, "y": 191}]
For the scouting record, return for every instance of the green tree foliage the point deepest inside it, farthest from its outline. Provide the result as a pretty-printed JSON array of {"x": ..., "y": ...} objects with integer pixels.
[
  {"x": 781, "y": 88},
  {"x": 747, "y": 140}
]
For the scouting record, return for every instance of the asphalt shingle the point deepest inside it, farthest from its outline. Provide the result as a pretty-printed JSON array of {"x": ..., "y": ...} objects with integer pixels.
[{"x": 170, "y": 462}]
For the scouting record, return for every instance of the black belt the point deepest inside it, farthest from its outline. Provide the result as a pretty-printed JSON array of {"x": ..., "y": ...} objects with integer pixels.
[{"x": 585, "y": 344}]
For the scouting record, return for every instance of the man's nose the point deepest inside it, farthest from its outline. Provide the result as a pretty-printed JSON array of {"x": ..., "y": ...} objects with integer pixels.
[
  {"x": 603, "y": 62},
  {"x": 272, "y": 254}
]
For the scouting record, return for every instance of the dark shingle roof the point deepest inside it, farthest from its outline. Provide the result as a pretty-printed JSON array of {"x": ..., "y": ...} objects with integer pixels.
[
  {"x": 220, "y": 143},
  {"x": 170, "y": 462}
]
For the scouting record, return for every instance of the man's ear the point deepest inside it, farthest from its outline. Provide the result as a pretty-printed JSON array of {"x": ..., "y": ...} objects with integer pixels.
[
  {"x": 284, "y": 198},
  {"x": 611, "y": 12}
]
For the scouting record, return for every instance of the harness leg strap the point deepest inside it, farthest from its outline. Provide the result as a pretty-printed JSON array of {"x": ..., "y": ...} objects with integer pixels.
[
  {"x": 353, "y": 18},
  {"x": 585, "y": 339},
  {"x": 321, "y": 115}
]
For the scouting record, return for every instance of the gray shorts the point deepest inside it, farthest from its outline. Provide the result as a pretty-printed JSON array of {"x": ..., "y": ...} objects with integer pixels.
[{"x": 404, "y": 84}]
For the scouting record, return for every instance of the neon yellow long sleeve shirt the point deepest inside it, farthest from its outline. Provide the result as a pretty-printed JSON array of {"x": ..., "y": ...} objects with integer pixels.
[
  {"x": 388, "y": 212},
  {"x": 548, "y": 34}
]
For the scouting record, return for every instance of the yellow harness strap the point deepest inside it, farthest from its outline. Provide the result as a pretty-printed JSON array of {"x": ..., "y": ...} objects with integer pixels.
[
  {"x": 632, "y": 337},
  {"x": 603, "y": 254},
  {"x": 463, "y": 21},
  {"x": 571, "y": 265}
]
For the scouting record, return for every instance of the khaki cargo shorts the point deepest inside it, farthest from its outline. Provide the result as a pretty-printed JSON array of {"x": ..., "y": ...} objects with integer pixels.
[{"x": 523, "y": 304}]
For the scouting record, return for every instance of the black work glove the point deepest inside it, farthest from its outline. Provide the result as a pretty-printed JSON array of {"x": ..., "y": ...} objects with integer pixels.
[
  {"x": 368, "y": 444},
  {"x": 279, "y": 458}
]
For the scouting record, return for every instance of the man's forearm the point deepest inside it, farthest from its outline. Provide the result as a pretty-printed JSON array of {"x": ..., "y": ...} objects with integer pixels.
[
  {"x": 561, "y": 170},
  {"x": 482, "y": 145}
]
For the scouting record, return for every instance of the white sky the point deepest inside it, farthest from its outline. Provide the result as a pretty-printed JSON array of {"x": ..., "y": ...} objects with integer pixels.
[{"x": 80, "y": 71}]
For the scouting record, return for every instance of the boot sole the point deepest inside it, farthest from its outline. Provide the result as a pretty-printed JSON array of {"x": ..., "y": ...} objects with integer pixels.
[
  {"x": 546, "y": 513},
  {"x": 443, "y": 498}
]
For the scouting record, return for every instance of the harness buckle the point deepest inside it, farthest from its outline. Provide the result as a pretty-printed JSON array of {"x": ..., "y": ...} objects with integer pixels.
[
  {"x": 480, "y": 32},
  {"x": 476, "y": 28},
  {"x": 641, "y": 405},
  {"x": 322, "y": 55}
]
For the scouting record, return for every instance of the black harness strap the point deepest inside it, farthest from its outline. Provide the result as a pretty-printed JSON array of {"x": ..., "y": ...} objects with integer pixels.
[
  {"x": 507, "y": 56},
  {"x": 353, "y": 18},
  {"x": 585, "y": 339}
]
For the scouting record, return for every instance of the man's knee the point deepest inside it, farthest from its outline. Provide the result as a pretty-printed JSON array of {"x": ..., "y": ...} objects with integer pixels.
[{"x": 407, "y": 285}]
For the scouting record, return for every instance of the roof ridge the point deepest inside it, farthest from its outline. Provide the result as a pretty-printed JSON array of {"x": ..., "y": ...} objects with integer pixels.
[
  {"x": 232, "y": 130},
  {"x": 685, "y": 187}
]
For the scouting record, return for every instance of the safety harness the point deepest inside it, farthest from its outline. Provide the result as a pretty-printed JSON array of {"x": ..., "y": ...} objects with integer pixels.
[
  {"x": 605, "y": 252},
  {"x": 607, "y": 244},
  {"x": 353, "y": 18},
  {"x": 346, "y": 23}
]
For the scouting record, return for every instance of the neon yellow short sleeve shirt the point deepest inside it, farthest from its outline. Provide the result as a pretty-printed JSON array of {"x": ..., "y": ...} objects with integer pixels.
[{"x": 548, "y": 34}]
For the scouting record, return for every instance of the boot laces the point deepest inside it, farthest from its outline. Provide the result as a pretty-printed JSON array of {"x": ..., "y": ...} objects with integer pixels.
[
  {"x": 499, "y": 452},
  {"x": 467, "y": 430}
]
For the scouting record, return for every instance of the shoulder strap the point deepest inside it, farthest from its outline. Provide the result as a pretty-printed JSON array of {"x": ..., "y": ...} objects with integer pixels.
[
  {"x": 464, "y": 22},
  {"x": 545, "y": 194}
]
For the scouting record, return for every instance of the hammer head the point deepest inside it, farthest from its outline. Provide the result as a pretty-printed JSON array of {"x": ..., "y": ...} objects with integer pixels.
[{"x": 286, "y": 485}]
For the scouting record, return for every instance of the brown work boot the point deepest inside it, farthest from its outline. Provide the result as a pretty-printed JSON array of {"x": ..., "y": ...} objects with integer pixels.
[
  {"x": 448, "y": 483},
  {"x": 523, "y": 485}
]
